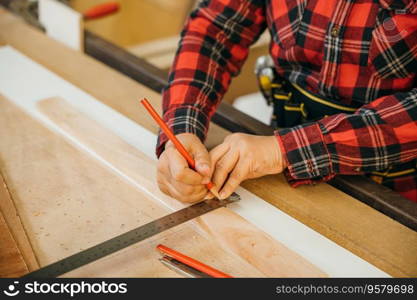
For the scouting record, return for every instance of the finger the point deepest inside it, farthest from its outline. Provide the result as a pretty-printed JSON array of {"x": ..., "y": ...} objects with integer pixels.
[
  {"x": 202, "y": 161},
  {"x": 235, "y": 178},
  {"x": 164, "y": 189},
  {"x": 179, "y": 190},
  {"x": 208, "y": 196},
  {"x": 163, "y": 164},
  {"x": 183, "y": 197},
  {"x": 188, "y": 189},
  {"x": 217, "y": 153},
  {"x": 163, "y": 174},
  {"x": 223, "y": 167},
  {"x": 180, "y": 170},
  {"x": 162, "y": 185}
]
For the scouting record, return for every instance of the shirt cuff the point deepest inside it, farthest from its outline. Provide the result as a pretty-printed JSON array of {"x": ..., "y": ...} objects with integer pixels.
[
  {"x": 305, "y": 151},
  {"x": 183, "y": 119}
]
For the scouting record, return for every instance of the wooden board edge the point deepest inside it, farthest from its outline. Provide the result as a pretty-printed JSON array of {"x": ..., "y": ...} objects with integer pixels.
[{"x": 17, "y": 229}]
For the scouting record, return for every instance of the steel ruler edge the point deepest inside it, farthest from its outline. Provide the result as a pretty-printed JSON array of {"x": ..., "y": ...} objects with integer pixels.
[{"x": 129, "y": 238}]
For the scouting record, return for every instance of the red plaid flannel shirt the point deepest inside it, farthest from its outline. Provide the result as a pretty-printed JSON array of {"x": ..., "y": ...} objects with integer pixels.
[{"x": 352, "y": 51}]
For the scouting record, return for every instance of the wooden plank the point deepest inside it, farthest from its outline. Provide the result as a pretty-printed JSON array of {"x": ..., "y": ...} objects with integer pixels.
[
  {"x": 382, "y": 198},
  {"x": 12, "y": 263},
  {"x": 69, "y": 201},
  {"x": 230, "y": 230},
  {"x": 12, "y": 219},
  {"x": 332, "y": 213}
]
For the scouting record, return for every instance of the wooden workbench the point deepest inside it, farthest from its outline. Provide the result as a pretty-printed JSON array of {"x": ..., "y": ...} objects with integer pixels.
[{"x": 365, "y": 232}]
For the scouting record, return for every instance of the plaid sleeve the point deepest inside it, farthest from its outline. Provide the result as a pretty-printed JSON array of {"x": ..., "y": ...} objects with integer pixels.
[
  {"x": 214, "y": 45},
  {"x": 376, "y": 136}
]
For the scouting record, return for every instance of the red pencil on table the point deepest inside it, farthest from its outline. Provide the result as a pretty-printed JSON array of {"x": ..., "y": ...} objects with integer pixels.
[
  {"x": 101, "y": 10},
  {"x": 193, "y": 263},
  {"x": 181, "y": 149}
]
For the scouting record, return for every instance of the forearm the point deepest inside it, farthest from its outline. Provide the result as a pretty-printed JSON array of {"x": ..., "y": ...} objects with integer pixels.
[{"x": 215, "y": 43}]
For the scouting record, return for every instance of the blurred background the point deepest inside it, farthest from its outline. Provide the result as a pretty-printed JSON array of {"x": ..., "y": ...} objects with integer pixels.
[{"x": 150, "y": 29}]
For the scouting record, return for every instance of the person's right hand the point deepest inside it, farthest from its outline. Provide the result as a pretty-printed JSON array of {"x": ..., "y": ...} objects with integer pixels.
[{"x": 176, "y": 179}]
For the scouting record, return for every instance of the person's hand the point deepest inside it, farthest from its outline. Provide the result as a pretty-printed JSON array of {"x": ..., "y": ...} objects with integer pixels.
[
  {"x": 174, "y": 176},
  {"x": 243, "y": 156}
]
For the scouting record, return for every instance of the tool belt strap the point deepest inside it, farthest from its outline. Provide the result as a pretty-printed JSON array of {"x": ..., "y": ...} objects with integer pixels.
[{"x": 294, "y": 105}]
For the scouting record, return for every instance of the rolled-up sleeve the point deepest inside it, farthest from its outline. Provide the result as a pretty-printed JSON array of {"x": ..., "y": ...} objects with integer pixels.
[
  {"x": 377, "y": 136},
  {"x": 214, "y": 45}
]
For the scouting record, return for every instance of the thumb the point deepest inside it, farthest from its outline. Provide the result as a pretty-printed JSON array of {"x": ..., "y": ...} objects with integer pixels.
[{"x": 202, "y": 161}]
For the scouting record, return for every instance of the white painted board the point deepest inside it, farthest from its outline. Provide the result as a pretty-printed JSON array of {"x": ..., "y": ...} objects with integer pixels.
[
  {"x": 255, "y": 105},
  {"x": 62, "y": 23}
]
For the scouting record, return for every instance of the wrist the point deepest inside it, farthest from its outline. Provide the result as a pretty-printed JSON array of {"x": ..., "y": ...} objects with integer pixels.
[
  {"x": 184, "y": 138},
  {"x": 280, "y": 153}
]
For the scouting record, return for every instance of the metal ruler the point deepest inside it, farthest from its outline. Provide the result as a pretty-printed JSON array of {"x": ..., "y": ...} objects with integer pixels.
[{"x": 129, "y": 238}]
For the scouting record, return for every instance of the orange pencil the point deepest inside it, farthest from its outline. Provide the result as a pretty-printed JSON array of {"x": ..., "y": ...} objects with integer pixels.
[
  {"x": 175, "y": 141},
  {"x": 192, "y": 262},
  {"x": 101, "y": 10}
]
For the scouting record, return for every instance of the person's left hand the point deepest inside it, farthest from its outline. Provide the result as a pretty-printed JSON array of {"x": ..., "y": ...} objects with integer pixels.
[{"x": 244, "y": 156}]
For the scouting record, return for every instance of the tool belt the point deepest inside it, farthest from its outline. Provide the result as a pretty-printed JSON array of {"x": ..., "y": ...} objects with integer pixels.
[{"x": 293, "y": 106}]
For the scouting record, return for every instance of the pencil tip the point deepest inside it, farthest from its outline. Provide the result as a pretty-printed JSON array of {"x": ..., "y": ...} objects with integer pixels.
[{"x": 216, "y": 194}]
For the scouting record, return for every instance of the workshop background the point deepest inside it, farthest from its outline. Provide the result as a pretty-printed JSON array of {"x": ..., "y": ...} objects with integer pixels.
[{"x": 129, "y": 28}]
